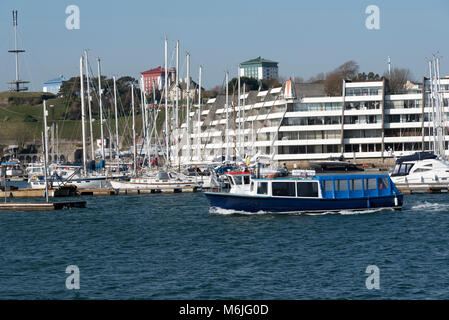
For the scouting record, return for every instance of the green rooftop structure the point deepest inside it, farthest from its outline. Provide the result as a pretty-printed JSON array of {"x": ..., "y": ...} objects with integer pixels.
[{"x": 259, "y": 68}]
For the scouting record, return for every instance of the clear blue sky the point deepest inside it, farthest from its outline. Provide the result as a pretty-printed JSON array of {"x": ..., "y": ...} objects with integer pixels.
[{"x": 305, "y": 37}]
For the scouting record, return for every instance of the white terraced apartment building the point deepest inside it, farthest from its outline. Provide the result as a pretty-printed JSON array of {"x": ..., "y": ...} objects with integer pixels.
[{"x": 365, "y": 123}]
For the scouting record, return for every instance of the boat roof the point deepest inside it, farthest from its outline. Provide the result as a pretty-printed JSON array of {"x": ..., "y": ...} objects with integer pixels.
[
  {"x": 424, "y": 155},
  {"x": 238, "y": 172},
  {"x": 329, "y": 177}
]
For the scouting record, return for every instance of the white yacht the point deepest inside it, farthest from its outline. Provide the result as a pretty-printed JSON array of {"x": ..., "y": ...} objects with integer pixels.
[
  {"x": 163, "y": 180},
  {"x": 420, "y": 170},
  {"x": 14, "y": 169}
]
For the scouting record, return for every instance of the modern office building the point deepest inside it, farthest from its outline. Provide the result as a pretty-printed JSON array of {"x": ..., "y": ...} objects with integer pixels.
[
  {"x": 259, "y": 68},
  {"x": 365, "y": 123}
]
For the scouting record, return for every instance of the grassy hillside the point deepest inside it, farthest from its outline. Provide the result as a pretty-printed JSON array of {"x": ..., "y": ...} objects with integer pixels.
[{"x": 21, "y": 119}]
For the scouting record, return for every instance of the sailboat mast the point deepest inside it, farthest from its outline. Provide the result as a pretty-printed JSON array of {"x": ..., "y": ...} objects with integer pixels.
[
  {"x": 83, "y": 116},
  {"x": 142, "y": 93},
  {"x": 199, "y": 115},
  {"x": 117, "y": 149},
  {"x": 177, "y": 102},
  {"x": 167, "y": 134},
  {"x": 227, "y": 117},
  {"x": 244, "y": 116},
  {"x": 100, "y": 93},
  {"x": 134, "y": 131},
  {"x": 188, "y": 107},
  {"x": 442, "y": 137},
  {"x": 239, "y": 140},
  {"x": 45, "y": 129},
  {"x": 44, "y": 144},
  {"x": 89, "y": 106}
]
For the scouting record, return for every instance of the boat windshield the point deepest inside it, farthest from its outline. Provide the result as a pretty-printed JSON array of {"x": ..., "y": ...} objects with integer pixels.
[
  {"x": 402, "y": 169},
  {"x": 238, "y": 179}
]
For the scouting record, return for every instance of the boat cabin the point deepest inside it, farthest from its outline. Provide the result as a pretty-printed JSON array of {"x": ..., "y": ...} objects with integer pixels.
[
  {"x": 327, "y": 187},
  {"x": 419, "y": 162},
  {"x": 239, "y": 181}
]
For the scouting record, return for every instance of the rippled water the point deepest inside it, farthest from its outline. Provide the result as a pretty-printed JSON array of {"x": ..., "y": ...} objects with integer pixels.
[{"x": 169, "y": 246}]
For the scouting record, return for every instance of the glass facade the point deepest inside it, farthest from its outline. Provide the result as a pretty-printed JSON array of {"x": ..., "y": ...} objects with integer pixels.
[
  {"x": 363, "y": 91},
  {"x": 299, "y": 107}
]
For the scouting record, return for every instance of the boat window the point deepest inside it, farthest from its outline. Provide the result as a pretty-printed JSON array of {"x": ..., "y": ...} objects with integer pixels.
[
  {"x": 405, "y": 168},
  {"x": 162, "y": 175},
  {"x": 245, "y": 179},
  {"x": 251, "y": 188},
  {"x": 341, "y": 185},
  {"x": 383, "y": 183},
  {"x": 237, "y": 179},
  {"x": 328, "y": 185},
  {"x": 356, "y": 184},
  {"x": 422, "y": 169},
  {"x": 262, "y": 188},
  {"x": 371, "y": 184},
  {"x": 308, "y": 189},
  {"x": 396, "y": 170},
  {"x": 284, "y": 189}
]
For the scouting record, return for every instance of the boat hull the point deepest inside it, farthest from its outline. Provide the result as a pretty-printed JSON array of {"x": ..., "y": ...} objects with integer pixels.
[
  {"x": 90, "y": 183},
  {"x": 285, "y": 205},
  {"x": 126, "y": 185}
]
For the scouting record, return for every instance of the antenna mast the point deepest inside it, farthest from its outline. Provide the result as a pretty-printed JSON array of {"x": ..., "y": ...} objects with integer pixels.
[{"x": 16, "y": 83}]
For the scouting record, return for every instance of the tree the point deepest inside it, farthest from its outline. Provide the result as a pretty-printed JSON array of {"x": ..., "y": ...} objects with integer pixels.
[
  {"x": 212, "y": 93},
  {"x": 250, "y": 83},
  {"x": 364, "y": 77},
  {"x": 333, "y": 84},
  {"x": 398, "y": 79},
  {"x": 348, "y": 70},
  {"x": 334, "y": 80},
  {"x": 319, "y": 77}
]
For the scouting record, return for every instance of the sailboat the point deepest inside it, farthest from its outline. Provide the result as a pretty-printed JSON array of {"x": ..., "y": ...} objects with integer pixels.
[
  {"x": 80, "y": 177},
  {"x": 166, "y": 179}
]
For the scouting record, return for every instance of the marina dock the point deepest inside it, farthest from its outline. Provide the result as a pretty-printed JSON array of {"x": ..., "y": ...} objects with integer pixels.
[
  {"x": 429, "y": 188},
  {"x": 34, "y": 206},
  {"x": 69, "y": 192}
]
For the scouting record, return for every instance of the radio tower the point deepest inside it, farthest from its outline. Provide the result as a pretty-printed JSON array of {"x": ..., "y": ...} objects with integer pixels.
[{"x": 16, "y": 83}]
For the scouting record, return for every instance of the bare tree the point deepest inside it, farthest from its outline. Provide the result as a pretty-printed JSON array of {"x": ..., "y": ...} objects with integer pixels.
[
  {"x": 319, "y": 77},
  {"x": 398, "y": 79},
  {"x": 348, "y": 69},
  {"x": 334, "y": 80}
]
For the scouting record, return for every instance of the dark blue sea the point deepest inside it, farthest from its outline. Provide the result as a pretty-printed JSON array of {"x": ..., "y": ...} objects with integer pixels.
[{"x": 169, "y": 246}]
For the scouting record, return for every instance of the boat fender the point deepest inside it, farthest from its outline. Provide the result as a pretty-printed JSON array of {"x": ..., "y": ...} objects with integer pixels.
[{"x": 396, "y": 201}]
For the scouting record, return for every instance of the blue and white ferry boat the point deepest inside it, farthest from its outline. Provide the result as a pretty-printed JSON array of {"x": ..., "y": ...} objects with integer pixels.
[{"x": 323, "y": 193}]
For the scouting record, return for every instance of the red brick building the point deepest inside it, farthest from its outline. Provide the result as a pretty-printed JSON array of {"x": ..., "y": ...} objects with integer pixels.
[{"x": 156, "y": 77}]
